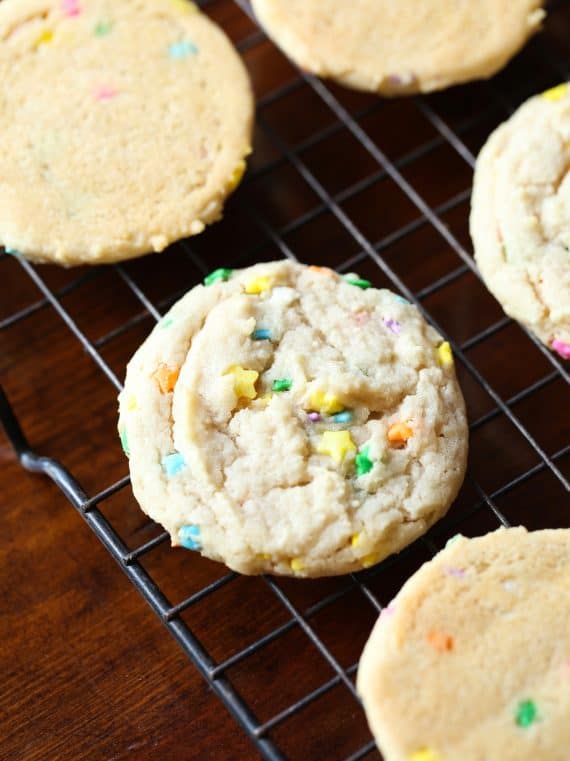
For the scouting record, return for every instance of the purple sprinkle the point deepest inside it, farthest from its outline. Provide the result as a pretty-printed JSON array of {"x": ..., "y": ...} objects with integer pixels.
[
  {"x": 459, "y": 573},
  {"x": 393, "y": 325},
  {"x": 314, "y": 417}
]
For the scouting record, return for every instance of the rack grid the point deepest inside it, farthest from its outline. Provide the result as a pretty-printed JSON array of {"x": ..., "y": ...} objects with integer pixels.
[{"x": 370, "y": 179}]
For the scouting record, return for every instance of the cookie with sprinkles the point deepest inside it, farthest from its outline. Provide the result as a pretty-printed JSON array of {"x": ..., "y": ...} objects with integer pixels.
[
  {"x": 520, "y": 216},
  {"x": 471, "y": 659},
  {"x": 395, "y": 47},
  {"x": 283, "y": 432},
  {"x": 125, "y": 126}
]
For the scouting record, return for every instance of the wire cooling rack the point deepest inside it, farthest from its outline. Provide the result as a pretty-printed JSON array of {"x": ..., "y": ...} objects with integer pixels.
[{"x": 359, "y": 183}]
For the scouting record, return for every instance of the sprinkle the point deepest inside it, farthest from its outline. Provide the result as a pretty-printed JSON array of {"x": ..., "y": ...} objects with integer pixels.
[
  {"x": 322, "y": 401},
  {"x": 244, "y": 381},
  {"x": 321, "y": 270},
  {"x": 454, "y": 538},
  {"x": 182, "y": 49},
  {"x": 103, "y": 28},
  {"x": 355, "y": 540},
  {"x": 562, "y": 348},
  {"x": 445, "y": 354},
  {"x": 261, "y": 334},
  {"x": 124, "y": 441},
  {"x": 336, "y": 444},
  {"x": 222, "y": 274},
  {"x": 166, "y": 322},
  {"x": 393, "y": 325},
  {"x": 70, "y": 7},
  {"x": 399, "y": 433},
  {"x": 369, "y": 560},
  {"x": 526, "y": 714},
  {"x": 555, "y": 93},
  {"x": 11, "y": 251},
  {"x": 358, "y": 282},
  {"x": 361, "y": 318},
  {"x": 183, "y": 5},
  {"x": 297, "y": 564},
  {"x": 173, "y": 463},
  {"x": 258, "y": 285},
  {"x": 282, "y": 384},
  {"x": 189, "y": 537},
  {"x": 388, "y": 611},
  {"x": 104, "y": 92},
  {"x": 132, "y": 402},
  {"x": 236, "y": 175},
  {"x": 425, "y": 754},
  {"x": 440, "y": 641},
  {"x": 363, "y": 462},
  {"x": 459, "y": 573},
  {"x": 343, "y": 417},
  {"x": 44, "y": 38},
  {"x": 399, "y": 299},
  {"x": 314, "y": 417},
  {"x": 166, "y": 377}
]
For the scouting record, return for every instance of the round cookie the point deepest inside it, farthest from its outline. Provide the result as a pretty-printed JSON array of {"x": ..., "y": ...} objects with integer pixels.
[
  {"x": 284, "y": 419},
  {"x": 400, "y": 46},
  {"x": 124, "y": 126},
  {"x": 520, "y": 216},
  {"x": 471, "y": 660}
]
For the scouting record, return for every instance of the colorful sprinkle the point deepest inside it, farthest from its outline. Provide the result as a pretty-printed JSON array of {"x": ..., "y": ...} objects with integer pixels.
[
  {"x": 399, "y": 433},
  {"x": 445, "y": 354},
  {"x": 322, "y": 401},
  {"x": 297, "y": 565},
  {"x": 189, "y": 537},
  {"x": 393, "y": 325},
  {"x": 343, "y": 417},
  {"x": 166, "y": 378},
  {"x": 124, "y": 441},
  {"x": 336, "y": 444},
  {"x": 425, "y": 754},
  {"x": 363, "y": 462},
  {"x": 223, "y": 274},
  {"x": 359, "y": 282},
  {"x": 314, "y": 417},
  {"x": 361, "y": 318},
  {"x": 244, "y": 381},
  {"x": 440, "y": 641},
  {"x": 556, "y": 93},
  {"x": 173, "y": 463},
  {"x": 562, "y": 348},
  {"x": 166, "y": 322},
  {"x": 369, "y": 560},
  {"x": 258, "y": 285},
  {"x": 388, "y": 611},
  {"x": 44, "y": 38},
  {"x": 132, "y": 402},
  {"x": 183, "y": 5},
  {"x": 182, "y": 49},
  {"x": 236, "y": 175},
  {"x": 459, "y": 573},
  {"x": 400, "y": 299},
  {"x": 322, "y": 270},
  {"x": 355, "y": 540},
  {"x": 454, "y": 538},
  {"x": 70, "y": 7},
  {"x": 261, "y": 334},
  {"x": 103, "y": 28},
  {"x": 104, "y": 92},
  {"x": 526, "y": 714},
  {"x": 11, "y": 251},
  {"x": 282, "y": 384}
]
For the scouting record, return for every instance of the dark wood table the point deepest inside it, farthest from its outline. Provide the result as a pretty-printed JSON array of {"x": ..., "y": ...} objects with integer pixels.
[{"x": 88, "y": 671}]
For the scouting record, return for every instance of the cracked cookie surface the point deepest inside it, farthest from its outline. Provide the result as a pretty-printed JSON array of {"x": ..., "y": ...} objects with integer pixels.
[
  {"x": 394, "y": 47},
  {"x": 471, "y": 661},
  {"x": 125, "y": 125},
  {"x": 520, "y": 218},
  {"x": 285, "y": 419}
]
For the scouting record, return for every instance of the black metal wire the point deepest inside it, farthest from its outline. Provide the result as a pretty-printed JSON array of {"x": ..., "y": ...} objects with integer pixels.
[{"x": 88, "y": 506}]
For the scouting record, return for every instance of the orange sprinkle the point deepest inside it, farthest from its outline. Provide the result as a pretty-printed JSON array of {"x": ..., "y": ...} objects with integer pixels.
[
  {"x": 440, "y": 641},
  {"x": 321, "y": 270},
  {"x": 399, "y": 433},
  {"x": 166, "y": 378}
]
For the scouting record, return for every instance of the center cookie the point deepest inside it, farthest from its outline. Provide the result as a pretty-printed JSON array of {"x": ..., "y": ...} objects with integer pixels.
[{"x": 284, "y": 419}]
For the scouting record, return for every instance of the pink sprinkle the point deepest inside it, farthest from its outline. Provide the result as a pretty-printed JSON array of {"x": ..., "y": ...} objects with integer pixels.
[
  {"x": 314, "y": 417},
  {"x": 392, "y": 325},
  {"x": 459, "y": 573},
  {"x": 104, "y": 92},
  {"x": 562, "y": 348},
  {"x": 70, "y": 7},
  {"x": 361, "y": 318},
  {"x": 388, "y": 611}
]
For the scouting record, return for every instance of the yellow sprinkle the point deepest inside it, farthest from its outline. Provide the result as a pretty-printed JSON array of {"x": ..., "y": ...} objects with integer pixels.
[
  {"x": 370, "y": 560},
  {"x": 426, "y": 754},
  {"x": 244, "y": 381},
  {"x": 258, "y": 285},
  {"x": 45, "y": 37},
  {"x": 336, "y": 444},
  {"x": 297, "y": 564},
  {"x": 322, "y": 401},
  {"x": 445, "y": 355},
  {"x": 236, "y": 175},
  {"x": 556, "y": 93},
  {"x": 132, "y": 402},
  {"x": 184, "y": 5},
  {"x": 355, "y": 541}
]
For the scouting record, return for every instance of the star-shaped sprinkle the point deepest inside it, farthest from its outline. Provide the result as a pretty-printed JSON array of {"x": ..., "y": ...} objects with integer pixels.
[
  {"x": 336, "y": 444},
  {"x": 445, "y": 354},
  {"x": 258, "y": 285},
  {"x": 244, "y": 382},
  {"x": 399, "y": 433},
  {"x": 322, "y": 401},
  {"x": 223, "y": 274},
  {"x": 363, "y": 462}
]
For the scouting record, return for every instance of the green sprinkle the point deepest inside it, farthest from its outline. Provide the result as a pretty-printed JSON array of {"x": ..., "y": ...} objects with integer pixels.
[
  {"x": 526, "y": 713},
  {"x": 363, "y": 462},
  {"x": 102, "y": 28},
  {"x": 282, "y": 384},
  {"x": 166, "y": 322},
  {"x": 124, "y": 441},
  {"x": 453, "y": 539},
  {"x": 358, "y": 282},
  {"x": 222, "y": 274}
]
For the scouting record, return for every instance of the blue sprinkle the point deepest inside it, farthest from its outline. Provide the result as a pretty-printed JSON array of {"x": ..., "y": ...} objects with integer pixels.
[
  {"x": 11, "y": 251},
  {"x": 261, "y": 334},
  {"x": 342, "y": 417},
  {"x": 189, "y": 537},
  {"x": 400, "y": 299},
  {"x": 182, "y": 49},
  {"x": 173, "y": 463}
]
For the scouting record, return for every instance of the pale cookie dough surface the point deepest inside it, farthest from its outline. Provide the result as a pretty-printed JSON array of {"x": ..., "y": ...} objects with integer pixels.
[
  {"x": 124, "y": 126},
  {"x": 520, "y": 217},
  {"x": 400, "y": 46},
  {"x": 310, "y": 426},
  {"x": 471, "y": 660}
]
